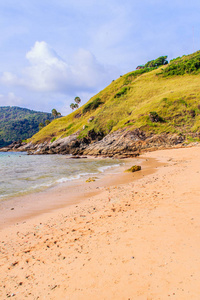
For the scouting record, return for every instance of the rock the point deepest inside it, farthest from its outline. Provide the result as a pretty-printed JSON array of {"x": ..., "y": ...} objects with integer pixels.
[
  {"x": 76, "y": 157},
  {"x": 77, "y": 116},
  {"x": 119, "y": 144},
  {"x": 134, "y": 169},
  {"x": 91, "y": 179},
  {"x": 90, "y": 119}
]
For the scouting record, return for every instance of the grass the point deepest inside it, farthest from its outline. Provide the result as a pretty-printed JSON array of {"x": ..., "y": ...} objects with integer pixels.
[{"x": 172, "y": 98}]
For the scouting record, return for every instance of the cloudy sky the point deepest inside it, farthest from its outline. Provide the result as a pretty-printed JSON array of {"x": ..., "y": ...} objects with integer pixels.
[{"x": 52, "y": 51}]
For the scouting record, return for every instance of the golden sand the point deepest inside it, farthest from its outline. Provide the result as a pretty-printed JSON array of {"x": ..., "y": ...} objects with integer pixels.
[{"x": 128, "y": 239}]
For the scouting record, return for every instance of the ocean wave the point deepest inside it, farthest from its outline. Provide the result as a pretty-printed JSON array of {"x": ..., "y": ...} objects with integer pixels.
[
  {"x": 75, "y": 177},
  {"x": 28, "y": 174},
  {"x": 104, "y": 168}
]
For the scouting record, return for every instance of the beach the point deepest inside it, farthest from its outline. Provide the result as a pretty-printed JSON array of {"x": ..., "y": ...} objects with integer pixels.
[{"x": 133, "y": 237}]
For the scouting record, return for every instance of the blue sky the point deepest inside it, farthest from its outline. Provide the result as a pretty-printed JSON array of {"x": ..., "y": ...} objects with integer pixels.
[{"x": 52, "y": 51}]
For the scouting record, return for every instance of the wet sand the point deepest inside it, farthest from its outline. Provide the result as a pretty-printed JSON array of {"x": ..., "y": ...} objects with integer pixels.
[
  {"x": 134, "y": 238},
  {"x": 18, "y": 209}
]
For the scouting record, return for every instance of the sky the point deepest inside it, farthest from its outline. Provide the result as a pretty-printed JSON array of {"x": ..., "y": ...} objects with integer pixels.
[{"x": 52, "y": 51}]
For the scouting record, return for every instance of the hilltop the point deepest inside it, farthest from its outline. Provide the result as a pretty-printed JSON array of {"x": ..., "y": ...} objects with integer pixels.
[
  {"x": 18, "y": 123},
  {"x": 156, "y": 105}
]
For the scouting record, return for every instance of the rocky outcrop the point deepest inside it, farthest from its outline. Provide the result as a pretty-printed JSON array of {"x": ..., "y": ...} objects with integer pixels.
[
  {"x": 121, "y": 143},
  {"x": 131, "y": 143}
]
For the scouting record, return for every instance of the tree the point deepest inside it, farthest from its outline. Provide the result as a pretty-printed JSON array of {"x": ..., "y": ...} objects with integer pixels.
[
  {"x": 77, "y": 100},
  {"x": 72, "y": 106},
  {"x": 160, "y": 61},
  {"x": 47, "y": 122},
  {"x": 41, "y": 125},
  {"x": 55, "y": 113},
  {"x": 75, "y": 105}
]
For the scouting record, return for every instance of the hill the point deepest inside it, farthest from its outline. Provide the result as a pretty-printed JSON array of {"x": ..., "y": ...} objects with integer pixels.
[
  {"x": 19, "y": 123},
  {"x": 156, "y": 105}
]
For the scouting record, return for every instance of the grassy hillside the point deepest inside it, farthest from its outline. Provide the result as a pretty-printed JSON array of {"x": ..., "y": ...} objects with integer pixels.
[
  {"x": 171, "y": 92},
  {"x": 19, "y": 123}
]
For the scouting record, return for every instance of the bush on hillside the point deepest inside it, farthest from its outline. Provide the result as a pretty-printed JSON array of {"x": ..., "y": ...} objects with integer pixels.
[
  {"x": 192, "y": 113},
  {"x": 110, "y": 124},
  {"x": 154, "y": 117},
  {"x": 92, "y": 105},
  {"x": 160, "y": 61},
  {"x": 185, "y": 65},
  {"x": 123, "y": 91},
  {"x": 53, "y": 139},
  {"x": 128, "y": 77}
]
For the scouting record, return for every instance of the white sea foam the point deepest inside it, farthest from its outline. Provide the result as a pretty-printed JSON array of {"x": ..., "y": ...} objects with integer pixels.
[
  {"x": 104, "y": 168},
  {"x": 21, "y": 173},
  {"x": 76, "y": 177}
]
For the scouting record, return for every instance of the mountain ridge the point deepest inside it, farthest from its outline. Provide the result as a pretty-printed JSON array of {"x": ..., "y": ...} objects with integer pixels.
[{"x": 17, "y": 123}]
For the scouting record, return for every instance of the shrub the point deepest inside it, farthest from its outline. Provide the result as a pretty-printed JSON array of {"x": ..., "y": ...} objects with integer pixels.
[
  {"x": 182, "y": 101},
  {"x": 189, "y": 64},
  {"x": 110, "y": 125},
  {"x": 53, "y": 139},
  {"x": 92, "y": 105},
  {"x": 192, "y": 113},
  {"x": 123, "y": 91},
  {"x": 132, "y": 75},
  {"x": 160, "y": 61},
  {"x": 154, "y": 117}
]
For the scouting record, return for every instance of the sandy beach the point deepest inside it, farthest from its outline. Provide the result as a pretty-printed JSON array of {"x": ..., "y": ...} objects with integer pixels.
[{"x": 133, "y": 237}]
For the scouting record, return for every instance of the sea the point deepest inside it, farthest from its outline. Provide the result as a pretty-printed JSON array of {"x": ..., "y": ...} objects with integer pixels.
[{"x": 22, "y": 174}]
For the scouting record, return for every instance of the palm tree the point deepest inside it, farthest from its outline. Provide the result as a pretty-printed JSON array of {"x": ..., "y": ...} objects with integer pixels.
[
  {"x": 77, "y": 100},
  {"x": 72, "y": 106},
  {"x": 54, "y": 112}
]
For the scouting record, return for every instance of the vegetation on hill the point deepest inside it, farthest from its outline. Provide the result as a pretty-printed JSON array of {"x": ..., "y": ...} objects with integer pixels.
[
  {"x": 154, "y": 99},
  {"x": 160, "y": 61},
  {"x": 187, "y": 64},
  {"x": 19, "y": 123}
]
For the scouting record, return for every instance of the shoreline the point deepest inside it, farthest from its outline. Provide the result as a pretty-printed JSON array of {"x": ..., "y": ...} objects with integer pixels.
[
  {"x": 21, "y": 208},
  {"x": 134, "y": 240}
]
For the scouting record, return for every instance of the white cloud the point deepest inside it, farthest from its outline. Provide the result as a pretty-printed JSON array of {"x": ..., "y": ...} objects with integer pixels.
[
  {"x": 9, "y": 78},
  {"x": 47, "y": 72},
  {"x": 10, "y": 100}
]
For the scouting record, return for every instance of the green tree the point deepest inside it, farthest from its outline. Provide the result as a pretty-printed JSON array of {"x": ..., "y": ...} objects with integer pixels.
[
  {"x": 41, "y": 125},
  {"x": 160, "y": 61},
  {"x": 77, "y": 100},
  {"x": 75, "y": 105},
  {"x": 47, "y": 122},
  {"x": 55, "y": 113},
  {"x": 72, "y": 106}
]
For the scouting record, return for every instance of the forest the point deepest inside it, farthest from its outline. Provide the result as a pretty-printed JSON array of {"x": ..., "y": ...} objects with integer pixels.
[{"x": 18, "y": 123}]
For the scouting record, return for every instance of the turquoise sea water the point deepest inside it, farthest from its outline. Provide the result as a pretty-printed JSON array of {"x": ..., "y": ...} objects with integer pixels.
[{"x": 21, "y": 173}]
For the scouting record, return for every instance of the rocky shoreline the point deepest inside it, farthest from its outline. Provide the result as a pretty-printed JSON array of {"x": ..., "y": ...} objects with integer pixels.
[{"x": 121, "y": 143}]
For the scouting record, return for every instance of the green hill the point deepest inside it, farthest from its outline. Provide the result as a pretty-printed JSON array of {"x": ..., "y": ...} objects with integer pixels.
[
  {"x": 156, "y": 100},
  {"x": 19, "y": 123}
]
